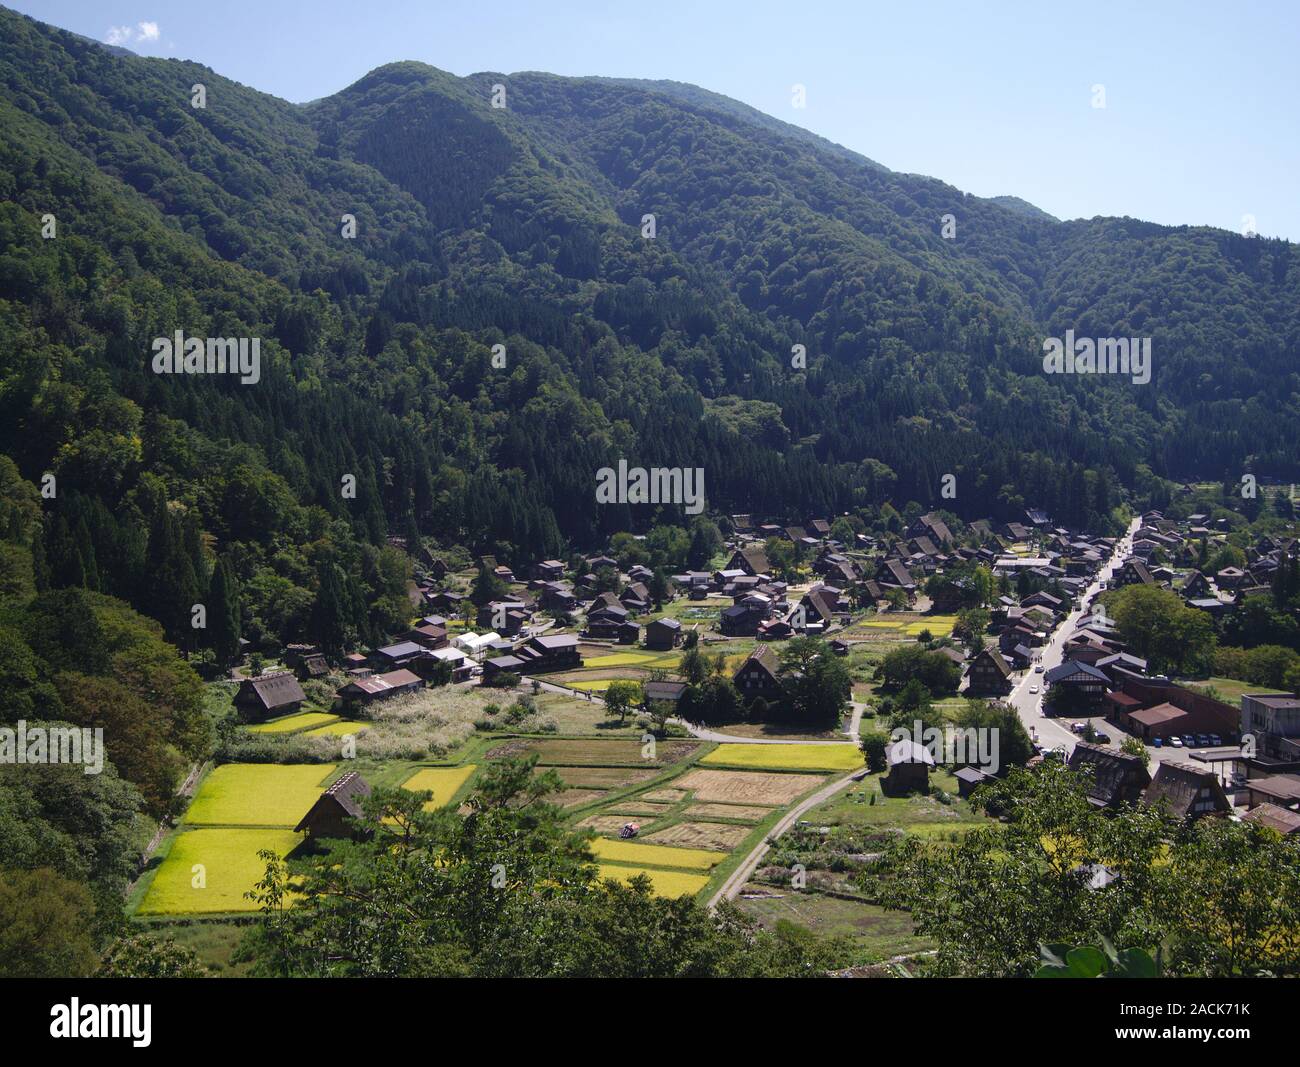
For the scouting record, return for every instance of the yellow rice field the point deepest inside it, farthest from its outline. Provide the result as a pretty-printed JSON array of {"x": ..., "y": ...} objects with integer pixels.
[
  {"x": 655, "y": 855},
  {"x": 302, "y": 721},
  {"x": 666, "y": 883},
  {"x": 443, "y": 781},
  {"x": 258, "y": 794},
  {"x": 846, "y": 757},
  {"x": 210, "y": 871}
]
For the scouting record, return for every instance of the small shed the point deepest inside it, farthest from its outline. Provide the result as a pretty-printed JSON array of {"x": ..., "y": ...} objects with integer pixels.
[
  {"x": 968, "y": 778},
  {"x": 909, "y": 768}
]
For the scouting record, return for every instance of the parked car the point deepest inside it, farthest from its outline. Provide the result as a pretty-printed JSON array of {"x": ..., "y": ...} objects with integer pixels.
[
  {"x": 1077, "y": 727},
  {"x": 1157, "y": 742},
  {"x": 1038, "y": 668},
  {"x": 1033, "y": 689},
  {"x": 1203, "y": 739},
  {"x": 1176, "y": 741},
  {"x": 1216, "y": 740},
  {"x": 1189, "y": 741},
  {"x": 1103, "y": 738}
]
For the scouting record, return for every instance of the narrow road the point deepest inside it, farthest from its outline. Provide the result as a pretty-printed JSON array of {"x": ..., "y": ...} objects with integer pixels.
[
  {"x": 1049, "y": 731},
  {"x": 737, "y": 879}
]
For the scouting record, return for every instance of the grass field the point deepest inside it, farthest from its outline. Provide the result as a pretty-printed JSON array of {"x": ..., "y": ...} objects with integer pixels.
[
  {"x": 224, "y": 861},
  {"x": 938, "y": 625},
  {"x": 846, "y": 757},
  {"x": 304, "y": 720},
  {"x": 666, "y": 883},
  {"x": 258, "y": 794},
  {"x": 656, "y": 855},
  {"x": 876, "y": 934},
  {"x": 443, "y": 781}
]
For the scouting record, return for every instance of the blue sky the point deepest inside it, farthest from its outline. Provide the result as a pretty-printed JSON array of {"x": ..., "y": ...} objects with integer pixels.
[{"x": 1201, "y": 123}]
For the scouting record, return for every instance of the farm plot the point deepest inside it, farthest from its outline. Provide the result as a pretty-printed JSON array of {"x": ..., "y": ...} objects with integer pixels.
[
  {"x": 443, "y": 781},
  {"x": 258, "y": 794},
  {"x": 602, "y": 777},
  {"x": 700, "y": 835},
  {"x": 846, "y": 757},
  {"x": 572, "y": 798},
  {"x": 304, "y": 720},
  {"x": 209, "y": 871},
  {"x": 639, "y": 807},
  {"x": 656, "y": 855},
  {"x": 338, "y": 729},
  {"x": 604, "y": 824},
  {"x": 577, "y": 753},
  {"x": 745, "y": 812},
  {"x": 665, "y": 883},
  {"x": 664, "y": 796},
  {"x": 747, "y": 787}
]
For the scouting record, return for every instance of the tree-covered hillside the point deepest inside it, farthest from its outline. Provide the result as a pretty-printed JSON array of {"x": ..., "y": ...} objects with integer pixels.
[{"x": 522, "y": 226}]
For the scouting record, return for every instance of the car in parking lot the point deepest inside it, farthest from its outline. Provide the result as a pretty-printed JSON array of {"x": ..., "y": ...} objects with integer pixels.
[
  {"x": 1202, "y": 740},
  {"x": 1176, "y": 741},
  {"x": 1103, "y": 738},
  {"x": 1216, "y": 740},
  {"x": 1157, "y": 742},
  {"x": 1038, "y": 668},
  {"x": 1033, "y": 689},
  {"x": 1189, "y": 741}
]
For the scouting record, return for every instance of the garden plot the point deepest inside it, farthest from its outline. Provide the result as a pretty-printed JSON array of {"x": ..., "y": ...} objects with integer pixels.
[
  {"x": 208, "y": 871},
  {"x": 748, "y": 787},
  {"x": 701, "y": 835},
  {"x": 258, "y": 794},
  {"x": 443, "y": 781},
  {"x": 600, "y": 777},
  {"x": 846, "y": 757},
  {"x": 745, "y": 812},
  {"x": 572, "y": 798}
]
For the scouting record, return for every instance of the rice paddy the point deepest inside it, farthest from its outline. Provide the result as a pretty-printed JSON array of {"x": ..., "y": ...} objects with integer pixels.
[
  {"x": 210, "y": 870},
  {"x": 846, "y": 757},
  {"x": 656, "y": 855},
  {"x": 443, "y": 781},
  {"x": 258, "y": 794}
]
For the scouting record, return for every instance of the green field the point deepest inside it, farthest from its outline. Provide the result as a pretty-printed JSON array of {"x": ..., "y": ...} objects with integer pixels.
[
  {"x": 258, "y": 794},
  {"x": 338, "y": 729},
  {"x": 846, "y": 757},
  {"x": 225, "y": 864}
]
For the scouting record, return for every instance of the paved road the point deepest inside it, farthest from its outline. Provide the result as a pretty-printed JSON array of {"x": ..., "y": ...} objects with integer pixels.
[{"x": 1048, "y": 731}]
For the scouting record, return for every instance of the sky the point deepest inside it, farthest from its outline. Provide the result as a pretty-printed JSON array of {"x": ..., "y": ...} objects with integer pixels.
[{"x": 1200, "y": 123}]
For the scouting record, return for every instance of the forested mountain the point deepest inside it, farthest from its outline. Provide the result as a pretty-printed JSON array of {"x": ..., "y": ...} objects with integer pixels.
[{"x": 522, "y": 226}]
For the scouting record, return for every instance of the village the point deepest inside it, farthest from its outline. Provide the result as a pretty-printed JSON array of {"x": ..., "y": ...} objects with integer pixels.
[{"x": 665, "y": 703}]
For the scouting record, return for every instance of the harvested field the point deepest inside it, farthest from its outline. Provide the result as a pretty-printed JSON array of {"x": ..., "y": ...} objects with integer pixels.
[
  {"x": 604, "y": 824},
  {"x": 601, "y": 777},
  {"x": 748, "y": 787},
  {"x": 638, "y": 807},
  {"x": 571, "y": 798},
  {"x": 748, "y": 812},
  {"x": 665, "y": 796},
  {"x": 714, "y": 836}
]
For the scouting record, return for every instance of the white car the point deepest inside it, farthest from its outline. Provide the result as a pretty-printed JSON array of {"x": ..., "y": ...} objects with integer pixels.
[
  {"x": 1038, "y": 668},
  {"x": 1177, "y": 742},
  {"x": 1033, "y": 689}
]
